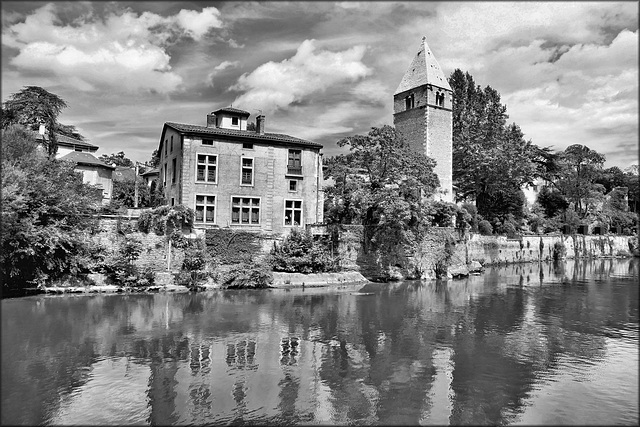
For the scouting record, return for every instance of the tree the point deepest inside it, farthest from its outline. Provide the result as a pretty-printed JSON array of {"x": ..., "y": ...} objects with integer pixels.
[
  {"x": 611, "y": 178},
  {"x": 46, "y": 208},
  {"x": 18, "y": 143},
  {"x": 381, "y": 183},
  {"x": 31, "y": 107},
  {"x": 491, "y": 160},
  {"x": 118, "y": 159},
  {"x": 581, "y": 167},
  {"x": 155, "y": 159}
]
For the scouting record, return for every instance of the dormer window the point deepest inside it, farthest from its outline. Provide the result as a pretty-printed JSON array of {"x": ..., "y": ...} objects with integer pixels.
[{"x": 234, "y": 121}]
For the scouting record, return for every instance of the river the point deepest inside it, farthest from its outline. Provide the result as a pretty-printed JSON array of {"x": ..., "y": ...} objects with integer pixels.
[{"x": 519, "y": 344}]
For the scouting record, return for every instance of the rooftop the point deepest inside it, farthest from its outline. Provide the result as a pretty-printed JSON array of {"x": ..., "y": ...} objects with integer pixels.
[
  {"x": 66, "y": 140},
  {"x": 232, "y": 111},
  {"x": 248, "y": 134},
  {"x": 85, "y": 159},
  {"x": 424, "y": 69}
]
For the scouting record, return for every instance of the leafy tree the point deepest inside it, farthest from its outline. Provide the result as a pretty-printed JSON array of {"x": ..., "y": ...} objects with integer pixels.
[
  {"x": 299, "y": 253},
  {"x": 552, "y": 201},
  {"x": 31, "y": 107},
  {"x": 119, "y": 159},
  {"x": 611, "y": 178},
  {"x": 381, "y": 183},
  {"x": 155, "y": 159},
  {"x": 46, "y": 209},
  {"x": 581, "y": 167},
  {"x": 491, "y": 159},
  {"x": 70, "y": 131},
  {"x": 18, "y": 144}
]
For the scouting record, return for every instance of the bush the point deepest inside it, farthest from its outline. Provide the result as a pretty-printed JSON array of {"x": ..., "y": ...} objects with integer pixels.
[
  {"x": 166, "y": 219},
  {"x": 194, "y": 266},
  {"x": 442, "y": 213},
  {"x": 232, "y": 246},
  {"x": 299, "y": 253},
  {"x": 485, "y": 228},
  {"x": 247, "y": 276},
  {"x": 559, "y": 251}
]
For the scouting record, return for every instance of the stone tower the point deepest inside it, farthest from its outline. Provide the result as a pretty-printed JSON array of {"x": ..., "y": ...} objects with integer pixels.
[{"x": 422, "y": 115}]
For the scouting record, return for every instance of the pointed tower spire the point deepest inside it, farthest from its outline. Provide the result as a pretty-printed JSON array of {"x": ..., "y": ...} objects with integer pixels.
[
  {"x": 424, "y": 69},
  {"x": 423, "y": 116}
]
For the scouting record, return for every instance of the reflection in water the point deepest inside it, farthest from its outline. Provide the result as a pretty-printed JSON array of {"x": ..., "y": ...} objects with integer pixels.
[{"x": 528, "y": 343}]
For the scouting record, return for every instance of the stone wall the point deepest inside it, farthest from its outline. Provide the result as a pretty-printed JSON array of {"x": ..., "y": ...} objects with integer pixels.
[
  {"x": 490, "y": 250},
  {"x": 113, "y": 231}
]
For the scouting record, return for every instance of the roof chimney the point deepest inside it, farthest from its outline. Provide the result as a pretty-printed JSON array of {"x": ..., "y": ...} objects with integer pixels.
[
  {"x": 211, "y": 120},
  {"x": 260, "y": 124}
]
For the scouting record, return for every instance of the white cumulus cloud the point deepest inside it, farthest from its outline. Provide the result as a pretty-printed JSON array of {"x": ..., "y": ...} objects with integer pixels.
[
  {"x": 277, "y": 85},
  {"x": 123, "y": 51}
]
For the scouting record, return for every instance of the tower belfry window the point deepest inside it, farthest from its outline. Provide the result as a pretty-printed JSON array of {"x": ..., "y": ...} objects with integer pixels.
[{"x": 409, "y": 102}]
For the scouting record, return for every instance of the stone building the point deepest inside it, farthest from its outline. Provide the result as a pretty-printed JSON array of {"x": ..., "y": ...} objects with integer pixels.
[
  {"x": 423, "y": 116},
  {"x": 94, "y": 171},
  {"x": 240, "y": 178}
]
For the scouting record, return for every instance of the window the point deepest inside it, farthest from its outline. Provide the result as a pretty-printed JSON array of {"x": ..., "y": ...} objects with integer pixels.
[
  {"x": 207, "y": 142},
  {"x": 293, "y": 212},
  {"x": 247, "y": 171},
  {"x": 173, "y": 201},
  {"x": 234, "y": 121},
  {"x": 165, "y": 147},
  {"x": 408, "y": 102},
  {"x": 171, "y": 150},
  {"x": 173, "y": 171},
  {"x": 294, "y": 165},
  {"x": 164, "y": 175},
  {"x": 206, "y": 168},
  {"x": 205, "y": 209},
  {"x": 245, "y": 210},
  {"x": 247, "y": 146},
  {"x": 440, "y": 99},
  {"x": 293, "y": 185},
  {"x": 78, "y": 149}
]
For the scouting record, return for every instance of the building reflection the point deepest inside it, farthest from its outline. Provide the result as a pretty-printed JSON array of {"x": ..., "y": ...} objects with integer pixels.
[{"x": 463, "y": 351}]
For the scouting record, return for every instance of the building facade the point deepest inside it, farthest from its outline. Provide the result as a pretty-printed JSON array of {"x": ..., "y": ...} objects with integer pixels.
[
  {"x": 423, "y": 116},
  {"x": 93, "y": 171},
  {"x": 240, "y": 178}
]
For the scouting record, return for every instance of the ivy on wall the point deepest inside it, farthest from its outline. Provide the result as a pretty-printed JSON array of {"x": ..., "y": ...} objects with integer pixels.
[{"x": 232, "y": 246}]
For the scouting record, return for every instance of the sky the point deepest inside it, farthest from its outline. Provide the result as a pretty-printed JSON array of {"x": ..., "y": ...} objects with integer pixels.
[{"x": 566, "y": 71}]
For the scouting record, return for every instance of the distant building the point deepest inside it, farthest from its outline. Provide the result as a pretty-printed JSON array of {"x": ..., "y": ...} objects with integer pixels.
[
  {"x": 423, "y": 115},
  {"x": 239, "y": 178},
  {"x": 68, "y": 145},
  {"x": 94, "y": 172},
  {"x": 150, "y": 177}
]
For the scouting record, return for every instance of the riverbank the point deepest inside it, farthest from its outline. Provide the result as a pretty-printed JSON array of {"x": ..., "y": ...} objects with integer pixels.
[{"x": 280, "y": 280}]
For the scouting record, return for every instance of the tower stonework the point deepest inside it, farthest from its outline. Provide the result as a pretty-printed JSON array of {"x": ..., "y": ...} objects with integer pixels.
[{"x": 423, "y": 116}]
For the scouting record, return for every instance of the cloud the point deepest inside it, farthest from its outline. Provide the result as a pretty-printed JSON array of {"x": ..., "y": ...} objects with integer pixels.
[
  {"x": 123, "y": 51},
  {"x": 226, "y": 64},
  {"x": 274, "y": 86}
]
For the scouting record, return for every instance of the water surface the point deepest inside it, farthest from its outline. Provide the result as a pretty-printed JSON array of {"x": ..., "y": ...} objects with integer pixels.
[{"x": 521, "y": 344}]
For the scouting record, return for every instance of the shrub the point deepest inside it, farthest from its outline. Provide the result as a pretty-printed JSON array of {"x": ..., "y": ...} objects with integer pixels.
[
  {"x": 442, "y": 213},
  {"x": 246, "y": 276},
  {"x": 299, "y": 253},
  {"x": 166, "y": 219},
  {"x": 231, "y": 246},
  {"x": 485, "y": 228},
  {"x": 194, "y": 266}
]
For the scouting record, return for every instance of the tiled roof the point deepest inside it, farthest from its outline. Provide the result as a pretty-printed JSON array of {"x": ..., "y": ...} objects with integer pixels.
[
  {"x": 424, "y": 69},
  {"x": 85, "y": 159},
  {"x": 124, "y": 173},
  {"x": 65, "y": 140},
  {"x": 232, "y": 111},
  {"x": 151, "y": 172},
  {"x": 247, "y": 134}
]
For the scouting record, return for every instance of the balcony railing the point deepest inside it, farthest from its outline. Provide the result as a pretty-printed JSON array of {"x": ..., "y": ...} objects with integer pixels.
[{"x": 294, "y": 170}]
